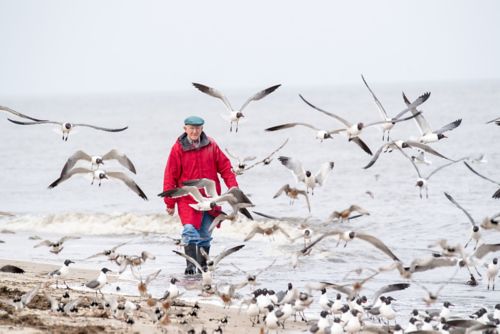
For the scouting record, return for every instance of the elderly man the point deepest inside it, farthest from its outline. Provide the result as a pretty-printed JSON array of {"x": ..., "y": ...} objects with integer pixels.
[{"x": 194, "y": 155}]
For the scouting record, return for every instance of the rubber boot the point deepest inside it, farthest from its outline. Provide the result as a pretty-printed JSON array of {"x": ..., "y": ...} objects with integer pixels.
[
  {"x": 201, "y": 259},
  {"x": 190, "y": 250}
]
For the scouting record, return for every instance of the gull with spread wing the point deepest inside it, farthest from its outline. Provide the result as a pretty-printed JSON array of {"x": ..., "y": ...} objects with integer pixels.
[
  {"x": 293, "y": 194},
  {"x": 267, "y": 160},
  {"x": 98, "y": 160},
  {"x": 234, "y": 115},
  {"x": 496, "y": 194},
  {"x": 306, "y": 176},
  {"x": 55, "y": 246},
  {"x": 426, "y": 132},
  {"x": 389, "y": 122},
  {"x": 66, "y": 127},
  {"x": 241, "y": 166},
  {"x": 100, "y": 174},
  {"x": 475, "y": 235}
]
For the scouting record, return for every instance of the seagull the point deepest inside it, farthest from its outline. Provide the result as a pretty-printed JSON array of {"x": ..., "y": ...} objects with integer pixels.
[
  {"x": 422, "y": 182},
  {"x": 6, "y": 214},
  {"x": 389, "y": 147},
  {"x": 427, "y": 134},
  {"x": 266, "y": 230},
  {"x": 267, "y": 160},
  {"x": 19, "y": 303},
  {"x": 345, "y": 214},
  {"x": 389, "y": 124},
  {"x": 234, "y": 115},
  {"x": 132, "y": 260},
  {"x": 100, "y": 174},
  {"x": 432, "y": 297},
  {"x": 350, "y": 235},
  {"x": 172, "y": 291},
  {"x": 241, "y": 162},
  {"x": 306, "y": 176},
  {"x": 476, "y": 235},
  {"x": 321, "y": 134},
  {"x": 7, "y": 109},
  {"x": 234, "y": 196},
  {"x": 110, "y": 253},
  {"x": 213, "y": 261},
  {"x": 61, "y": 272},
  {"x": 98, "y": 160},
  {"x": 57, "y": 246},
  {"x": 293, "y": 193},
  {"x": 250, "y": 277},
  {"x": 354, "y": 130},
  {"x": 497, "y": 193},
  {"x": 143, "y": 283},
  {"x": 99, "y": 282},
  {"x": 492, "y": 272},
  {"x": 206, "y": 275},
  {"x": 66, "y": 127}
]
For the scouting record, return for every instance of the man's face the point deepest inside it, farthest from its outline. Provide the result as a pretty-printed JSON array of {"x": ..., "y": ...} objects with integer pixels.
[{"x": 193, "y": 132}]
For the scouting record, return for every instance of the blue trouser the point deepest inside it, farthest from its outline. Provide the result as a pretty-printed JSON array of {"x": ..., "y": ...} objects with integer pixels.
[{"x": 201, "y": 237}]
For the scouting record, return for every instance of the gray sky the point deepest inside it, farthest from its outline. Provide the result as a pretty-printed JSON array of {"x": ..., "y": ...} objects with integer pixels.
[{"x": 77, "y": 47}]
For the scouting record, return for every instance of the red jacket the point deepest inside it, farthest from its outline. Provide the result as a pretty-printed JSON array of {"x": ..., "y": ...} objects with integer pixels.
[{"x": 186, "y": 162}]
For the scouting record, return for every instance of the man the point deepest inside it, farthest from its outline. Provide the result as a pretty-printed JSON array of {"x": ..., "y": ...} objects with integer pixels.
[{"x": 193, "y": 156}]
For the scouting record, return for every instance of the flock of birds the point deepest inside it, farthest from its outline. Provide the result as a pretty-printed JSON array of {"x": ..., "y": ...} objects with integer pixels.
[{"x": 270, "y": 310}]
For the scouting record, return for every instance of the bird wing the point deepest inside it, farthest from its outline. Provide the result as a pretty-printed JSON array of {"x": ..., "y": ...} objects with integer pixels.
[
  {"x": 393, "y": 121},
  {"x": 214, "y": 93},
  {"x": 17, "y": 113},
  {"x": 190, "y": 259},
  {"x": 389, "y": 288},
  {"x": 375, "y": 157},
  {"x": 339, "y": 288},
  {"x": 226, "y": 253},
  {"x": 207, "y": 184},
  {"x": 232, "y": 155},
  {"x": 480, "y": 175},
  {"x": 63, "y": 239},
  {"x": 43, "y": 243},
  {"x": 433, "y": 263},
  {"x": 239, "y": 197},
  {"x": 129, "y": 182},
  {"x": 452, "y": 200},
  {"x": 412, "y": 106},
  {"x": 27, "y": 297},
  {"x": 449, "y": 126},
  {"x": 380, "y": 107},
  {"x": 281, "y": 190},
  {"x": 68, "y": 174},
  {"x": 256, "y": 229},
  {"x": 259, "y": 95},
  {"x": 378, "y": 244},
  {"x": 101, "y": 128},
  {"x": 152, "y": 276},
  {"x": 295, "y": 166},
  {"x": 361, "y": 144},
  {"x": 183, "y": 191},
  {"x": 33, "y": 123},
  {"x": 304, "y": 193},
  {"x": 121, "y": 158},
  {"x": 484, "y": 249},
  {"x": 338, "y": 118},
  {"x": 443, "y": 166},
  {"x": 323, "y": 172},
  {"x": 422, "y": 123},
  {"x": 426, "y": 148},
  {"x": 411, "y": 160},
  {"x": 291, "y": 125},
  {"x": 321, "y": 237},
  {"x": 72, "y": 160}
]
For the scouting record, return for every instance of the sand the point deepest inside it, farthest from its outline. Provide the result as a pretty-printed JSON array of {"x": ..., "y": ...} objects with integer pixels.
[{"x": 38, "y": 318}]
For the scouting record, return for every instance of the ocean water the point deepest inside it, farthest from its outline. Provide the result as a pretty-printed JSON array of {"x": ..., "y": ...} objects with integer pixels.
[{"x": 31, "y": 157}]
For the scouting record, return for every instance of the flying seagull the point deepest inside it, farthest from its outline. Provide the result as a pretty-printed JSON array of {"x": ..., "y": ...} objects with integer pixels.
[
  {"x": 496, "y": 194},
  {"x": 98, "y": 160},
  {"x": 66, "y": 127},
  {"x": 302, "y": 175},
  {"x": 100, "y": 174},
  {"x": 234, "y": 115}
]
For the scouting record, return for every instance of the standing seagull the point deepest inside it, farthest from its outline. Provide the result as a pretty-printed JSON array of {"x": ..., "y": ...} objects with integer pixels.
[
  {"x": 98, "y": 160},
  {"x": 100, "y": 174},
  {"x": 61, "y": 272},
  {"x": 234, "y": 115},
  {"x": 475, "y": 235},
  {"x": 427, "y": 134},
  {"x": 99, "y": 282},
  {"x": 66, "y": 127},
  {"x": 389, "y": 124},
  {"x": 306, "y": 176}
]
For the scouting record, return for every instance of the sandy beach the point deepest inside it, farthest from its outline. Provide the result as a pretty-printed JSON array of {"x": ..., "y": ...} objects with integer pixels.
[{"x": 38, "y": 318}]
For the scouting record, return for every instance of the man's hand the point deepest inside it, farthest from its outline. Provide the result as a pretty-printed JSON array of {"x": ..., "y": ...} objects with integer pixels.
[{"x": 170, "y": 211}]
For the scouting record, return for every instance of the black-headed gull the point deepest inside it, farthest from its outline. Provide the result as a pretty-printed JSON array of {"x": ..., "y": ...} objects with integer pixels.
[
  {"x": 427, "y": 134},
  {"x": 98, "y": 160},
  {"x": 475, "y": 234},
  {"x": 100, "y": 174},
  {"x": 389, "y": 122},
  {"x": 234, "y": 115},
  {"x": 66, "y": 127},
  {"x": 302, "y": 175}
]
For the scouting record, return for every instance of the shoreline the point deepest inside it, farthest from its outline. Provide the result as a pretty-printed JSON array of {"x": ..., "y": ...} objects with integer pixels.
[{"x": 38, "y": 318}]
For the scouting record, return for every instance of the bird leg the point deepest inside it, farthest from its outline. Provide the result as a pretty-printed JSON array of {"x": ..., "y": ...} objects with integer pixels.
[{"x": 467, "y": 243}]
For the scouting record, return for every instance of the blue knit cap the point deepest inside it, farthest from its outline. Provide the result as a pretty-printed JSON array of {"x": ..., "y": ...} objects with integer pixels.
[{"x": 194, "y": 120}]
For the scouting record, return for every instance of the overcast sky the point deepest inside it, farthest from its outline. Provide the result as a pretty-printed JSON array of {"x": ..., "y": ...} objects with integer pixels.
[{"x": 76, "y": 47}]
